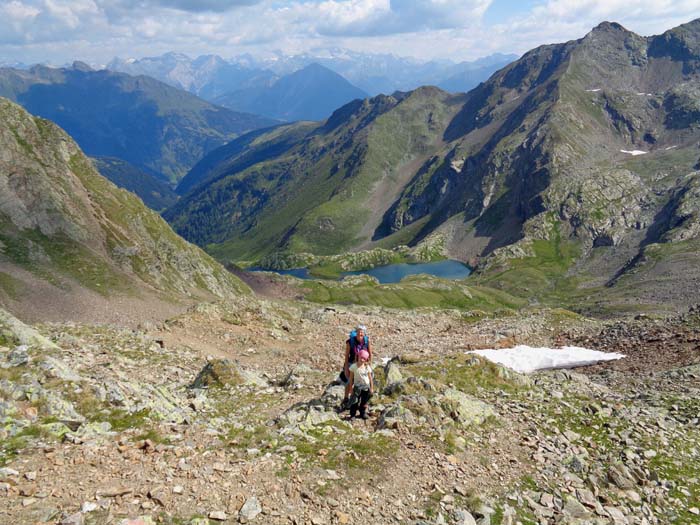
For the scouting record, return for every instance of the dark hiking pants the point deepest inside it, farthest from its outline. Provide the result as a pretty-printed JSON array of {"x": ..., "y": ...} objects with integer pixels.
[{"x": 360, "y": 398}]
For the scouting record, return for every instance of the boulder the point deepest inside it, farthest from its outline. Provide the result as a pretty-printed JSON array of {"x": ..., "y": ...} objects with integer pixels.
[
  {"x": 620, "y": 476},
  {"x": 464, "y": 409},
  {"x": 12, "y": 329},
  {"x": 308, "y": 413},
  {"x": 250, "y": 509},
  {"x": 396, "y": 416},
  {"x": 224, "y": 372},
  {"x": 19, "y": 356},
  {"x": 392, "y": 371},
  {"x": 296, "y": 377},
  {"x": 58, "y": 369},
  {"x": 218, "y": 372}
]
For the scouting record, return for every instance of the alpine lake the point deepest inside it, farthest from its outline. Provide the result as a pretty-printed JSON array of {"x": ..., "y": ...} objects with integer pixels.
[{"x": 391, "y": 273}]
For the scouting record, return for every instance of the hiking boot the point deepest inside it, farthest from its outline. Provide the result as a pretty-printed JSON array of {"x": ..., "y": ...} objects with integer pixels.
[
  {"x": 364, "y": 416},
  {"x": 343, "y": 406}
]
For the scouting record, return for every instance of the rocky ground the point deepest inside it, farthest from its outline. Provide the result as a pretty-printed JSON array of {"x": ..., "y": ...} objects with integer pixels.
[{"x": 226, "y": 414}]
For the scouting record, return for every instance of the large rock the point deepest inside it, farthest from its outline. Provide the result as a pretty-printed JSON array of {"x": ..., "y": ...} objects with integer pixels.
[
  {"x": 621, "y": 477},
  {"x": 392, "y": 373},
  {"x": 19, "y": 356},
  {"x": 218, "y": 372},
  {"x": 464, "y": 409},
  {"x": 250, "y": 509},
  {"x": 316, "y": 411},
  {"x": 58, "y": 369},
  {"x": 14, "y": 330},
  {"x": 396, "y": 416},
  {"x": 224, "y": 372}
]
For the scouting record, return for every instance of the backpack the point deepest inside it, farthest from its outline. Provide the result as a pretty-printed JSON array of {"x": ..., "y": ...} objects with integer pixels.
[{"x": 353, "y": 344}]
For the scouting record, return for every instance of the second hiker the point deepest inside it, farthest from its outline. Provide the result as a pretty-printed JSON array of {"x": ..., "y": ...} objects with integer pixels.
[
  {"x": 356, "y": 343},
  {"x": 362, "y": 381}
]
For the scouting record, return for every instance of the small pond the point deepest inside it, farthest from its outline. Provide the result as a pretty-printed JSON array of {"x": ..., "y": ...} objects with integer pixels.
[{"x": 393, "y": 273}]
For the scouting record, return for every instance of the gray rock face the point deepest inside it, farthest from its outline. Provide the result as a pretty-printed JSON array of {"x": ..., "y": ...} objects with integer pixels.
[
  {"x": 392, "y": 371},
  {"x": 315, "y": 411},
  {"x": 621, "y": 477}
]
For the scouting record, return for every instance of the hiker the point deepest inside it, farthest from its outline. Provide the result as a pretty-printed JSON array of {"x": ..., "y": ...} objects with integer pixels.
[
  {"x": 357, "y": 342},
  {"x": 362, "y": 381}
]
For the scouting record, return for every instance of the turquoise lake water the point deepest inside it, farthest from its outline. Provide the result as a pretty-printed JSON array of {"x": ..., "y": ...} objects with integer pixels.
[{"x": 393, "y": 273}]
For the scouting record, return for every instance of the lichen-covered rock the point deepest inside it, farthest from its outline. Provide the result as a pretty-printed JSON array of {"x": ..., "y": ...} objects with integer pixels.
[
  {"x": 316, "y": 411},
  {"x": 464, "y": 409},
  {"x": 54, "y": 405},
  {"x": 307, "y": 414},
  {"x": 13, "y": 329},
  {"x": 95, "y": 431},
  {"x": 19, "y": 356},
  {"x": 392, "y": 372},
  {"x": 58, "y": 369}
]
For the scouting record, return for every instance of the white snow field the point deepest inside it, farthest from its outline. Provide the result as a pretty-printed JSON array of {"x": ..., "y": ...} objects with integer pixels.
[
  {"x": 526, "y": 359},
  {"x": 634, "y": 152}
]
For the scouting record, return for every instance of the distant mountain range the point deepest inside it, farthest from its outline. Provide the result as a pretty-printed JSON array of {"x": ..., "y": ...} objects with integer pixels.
[
  {"x": 575, "y": 167},
  {"x": 211, "y": 76},
  {"x": 386, "y": 73},
  {"x": 141, "y": 120},
  {"x": 207, "y": 76},
  {"x": 312, "y": 93}
]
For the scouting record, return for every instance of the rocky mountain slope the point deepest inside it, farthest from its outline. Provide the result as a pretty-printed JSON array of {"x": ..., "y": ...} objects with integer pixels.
[
  {"x": 138, "y": 119},
  {"x": 312, "y": 93},
  {"x": 580, "y": 155},
  {"x": 66, "y": 229},
  {"x": 106, "y": 425},
  {"x": 318, "y": 187}
]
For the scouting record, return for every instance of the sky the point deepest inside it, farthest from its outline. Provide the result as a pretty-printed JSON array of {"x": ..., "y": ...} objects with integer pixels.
[{"x": 60, "y": 31}]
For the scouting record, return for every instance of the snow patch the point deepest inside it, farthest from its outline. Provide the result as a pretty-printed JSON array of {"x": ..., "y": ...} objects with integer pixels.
[
  {"x": 670, "y": 147},
  {"x": 593, "y": 90},
  {"x": 526, "y": 359},
  {"x": 634, "y": 152}
]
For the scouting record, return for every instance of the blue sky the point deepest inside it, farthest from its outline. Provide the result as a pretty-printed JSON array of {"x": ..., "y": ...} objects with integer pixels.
[
  {"x": 501, "y": 10},
  {"x": 59, "y": 31}
]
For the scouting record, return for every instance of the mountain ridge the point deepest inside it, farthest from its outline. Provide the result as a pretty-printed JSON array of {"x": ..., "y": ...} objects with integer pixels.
[{"x": 537, "y": 154}]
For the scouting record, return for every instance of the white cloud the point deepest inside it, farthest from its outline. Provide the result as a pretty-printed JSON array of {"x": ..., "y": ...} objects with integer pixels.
[
  {"x": 386, "y": 17},
  {"x": 96, "y": 30}
]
